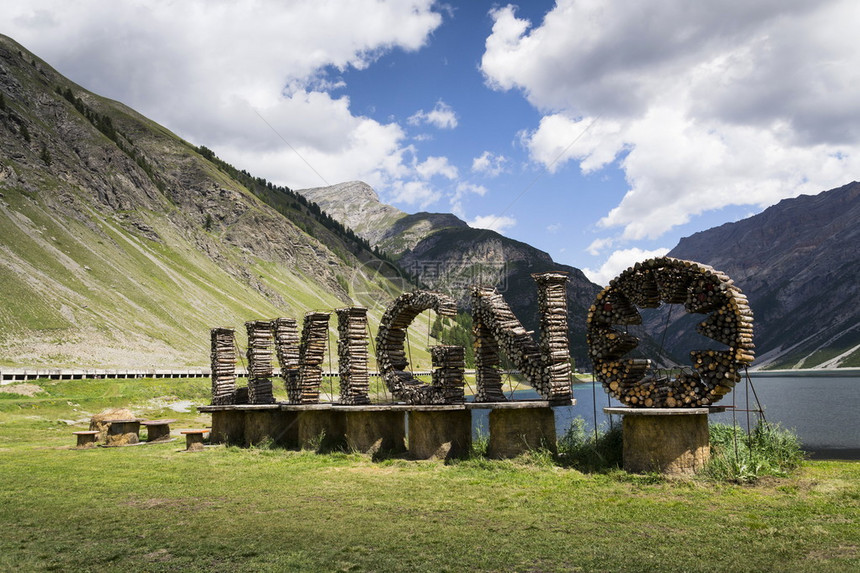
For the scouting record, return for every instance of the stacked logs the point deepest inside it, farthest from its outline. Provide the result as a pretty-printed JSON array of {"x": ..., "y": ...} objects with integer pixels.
[
  {"x": 352, "y": 355},
  {"x": 607, "y": 344},
  {"x": 259, "y": 362},
  {"x": 390, "y": 344},
  {"x": 613, "y": 307},
  {"x": 286, "y": 335},
  {"x": 488, "y": 376},
  {"x": 701, "y": 289},
  {"x": 555, "y": 351},
  {"x": 449, "y": 363},
  {"x": 496, "y": 329},
  {"x": 223, "y": 358},
  {"x": 311, "y": 357},
  {"x": 624, "y": 376},
  {"x": 718, "y": 370},
  {"x": 546, "y": 367}
]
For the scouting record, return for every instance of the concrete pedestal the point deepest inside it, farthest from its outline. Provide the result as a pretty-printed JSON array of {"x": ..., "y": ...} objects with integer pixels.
[
  {"x": 321, "y": 430},
  {"x": 671, "y": 441},
  {"x": 281, "y": 428},
  {"x": 372, "y": 432},
  {"x": 516, "y": 430},
  {"x": 228, "y": 427},
  {"x": 440, "y": 433}
]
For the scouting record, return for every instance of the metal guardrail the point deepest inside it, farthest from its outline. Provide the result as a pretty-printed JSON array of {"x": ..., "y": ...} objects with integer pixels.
[{"x": 11, "y": 375}]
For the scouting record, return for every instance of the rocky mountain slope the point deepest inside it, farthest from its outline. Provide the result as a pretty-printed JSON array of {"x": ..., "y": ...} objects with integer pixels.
[
  {"x": 357, "y": 206},
  {"x": 798, "y": 263},
  {"x": 444, "y": 253},
  {"x": 122, "y": 244}
]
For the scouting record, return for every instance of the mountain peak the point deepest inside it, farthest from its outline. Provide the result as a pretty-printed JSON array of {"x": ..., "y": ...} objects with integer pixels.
[
  {"x": 357, "y": 206},
  {"x": 351, "y": 190}
]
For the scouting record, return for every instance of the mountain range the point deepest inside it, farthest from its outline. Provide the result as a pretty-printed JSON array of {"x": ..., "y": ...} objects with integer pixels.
[
  {"x": 441, "y": 251},
  {"x": 121, "y": 244},
  {"x": 798, "y": 262}
]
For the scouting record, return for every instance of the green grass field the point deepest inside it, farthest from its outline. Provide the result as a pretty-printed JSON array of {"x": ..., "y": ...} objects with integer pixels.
[{"x": 156, "y": 508}]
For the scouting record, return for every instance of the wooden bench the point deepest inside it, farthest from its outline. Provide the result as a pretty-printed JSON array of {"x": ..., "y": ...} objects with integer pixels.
[
  {"x": 194, "y": 440},
  {"x": 157, "y": 430},
  {"x": 87, "y": 438}
]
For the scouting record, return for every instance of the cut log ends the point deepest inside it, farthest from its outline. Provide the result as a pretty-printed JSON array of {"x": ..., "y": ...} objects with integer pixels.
[
  {"x": 545, "y": 365},
  {"x": 701, "y": 289},
  {"x": 391, "y": 353},
  {"x": 223, "y": 369}
]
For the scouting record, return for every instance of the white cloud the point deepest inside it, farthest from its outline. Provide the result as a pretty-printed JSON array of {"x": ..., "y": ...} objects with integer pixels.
[
  {"x": 208, "y": 69},
  {"x": 554, "y": 228},
  {"x": 442, "y": 116},
  {"x": 496, "y": 223},
  {"x": 489, "y": 164},
  {"x": 620, "y": 261},
  {"x": 463, "y": 188},
  {"x": 702, "y": 105},
  {"x": 591, "y": 141},
  {"x": 413, "y": 193},
  {"x": 433, "y": 166},
  {"x": 598, "y": 245}
]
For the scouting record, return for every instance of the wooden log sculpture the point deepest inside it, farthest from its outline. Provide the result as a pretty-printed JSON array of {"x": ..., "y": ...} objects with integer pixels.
[
  {"x": 701, "y": 289},
  {"x": 260, "y": 362},
  {"x": 352, "y": 355},
  {"x": 545, "y": 364},
  {"x": 223, "y": 356},
  {"x": 311, "y": 356},
  {"x": 449, "y": 369},
  {"x": 391, "y": 353},
  {"x": 286, "y": 334}
]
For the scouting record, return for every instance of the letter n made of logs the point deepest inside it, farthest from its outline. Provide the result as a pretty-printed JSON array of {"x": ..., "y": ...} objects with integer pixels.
[{"x": 545, "y": 365}]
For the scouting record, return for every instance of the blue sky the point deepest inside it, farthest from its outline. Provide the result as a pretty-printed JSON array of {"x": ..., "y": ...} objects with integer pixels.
[{"x": 600, "y": 131}]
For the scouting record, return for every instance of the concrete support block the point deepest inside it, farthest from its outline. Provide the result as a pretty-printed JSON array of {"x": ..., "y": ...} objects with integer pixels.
[
  {"x": 518, "y": 430},
  {"x": 281, "y": 428},
  {"x": 439, "y": 434},
  {"x": 321, "y": 430},
  {"x": 228, "y": 427},
  {"x": 674, "y": 445},
  {"x": 376, "y": 431}
]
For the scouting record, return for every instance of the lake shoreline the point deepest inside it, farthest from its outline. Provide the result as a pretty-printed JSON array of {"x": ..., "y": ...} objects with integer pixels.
[
  {"x": 807, "y": 373},
  {"x": 838, "y": 454}
]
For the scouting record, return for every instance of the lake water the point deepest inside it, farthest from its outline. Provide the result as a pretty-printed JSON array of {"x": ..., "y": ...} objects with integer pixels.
[{"x": 823, "y": 410}]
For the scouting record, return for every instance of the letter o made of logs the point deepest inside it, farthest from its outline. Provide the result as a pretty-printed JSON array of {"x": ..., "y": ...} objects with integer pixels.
[
  {"x": 701, "y": 289},
  {"x": 390, "y": 345}
]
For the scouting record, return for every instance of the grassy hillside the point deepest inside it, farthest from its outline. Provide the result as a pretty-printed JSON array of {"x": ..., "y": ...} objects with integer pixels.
[{"x": 123, "y": 244}]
